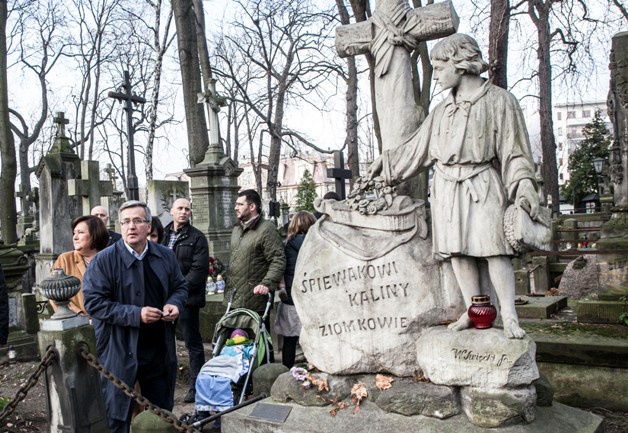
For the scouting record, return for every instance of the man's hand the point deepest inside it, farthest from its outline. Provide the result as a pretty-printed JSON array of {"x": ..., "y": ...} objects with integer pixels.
[
  {"x": 170, "y": 313},
  {"x": 528, "y": 198},
  {"x": 260, "y": 290},
  {"x": 150, "y": 314},
  {"x": 375, "y": 168}
]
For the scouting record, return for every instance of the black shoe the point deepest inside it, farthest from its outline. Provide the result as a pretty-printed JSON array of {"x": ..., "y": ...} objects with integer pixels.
[{"x": 190, "y": 396}]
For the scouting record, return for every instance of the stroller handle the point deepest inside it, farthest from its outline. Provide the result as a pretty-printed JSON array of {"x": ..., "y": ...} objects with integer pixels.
[{"x": 269, "y": 303}]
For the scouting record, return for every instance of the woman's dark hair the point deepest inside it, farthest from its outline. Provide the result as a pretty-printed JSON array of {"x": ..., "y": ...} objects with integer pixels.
[
  {"x": 96, "y": 229},
  {"x": 156, "y": 225}
]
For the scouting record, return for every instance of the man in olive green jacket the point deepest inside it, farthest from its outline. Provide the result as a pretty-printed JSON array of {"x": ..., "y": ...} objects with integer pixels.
[{"x": 257, "y": 259}]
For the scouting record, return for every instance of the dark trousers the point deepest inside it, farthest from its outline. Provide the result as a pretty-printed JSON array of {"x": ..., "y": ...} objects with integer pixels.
[
  {"x": 189, "y": 324},
  {"x": 289, "y": 351},
  {"x": 156, "y": 380}
]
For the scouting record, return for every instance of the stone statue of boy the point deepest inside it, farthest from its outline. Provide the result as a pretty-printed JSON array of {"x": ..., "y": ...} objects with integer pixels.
[{"x": 477, "y": 141}]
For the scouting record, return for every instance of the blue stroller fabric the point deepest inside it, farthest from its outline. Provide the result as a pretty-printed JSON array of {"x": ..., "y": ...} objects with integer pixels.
[{"x": 213, "y": 384}]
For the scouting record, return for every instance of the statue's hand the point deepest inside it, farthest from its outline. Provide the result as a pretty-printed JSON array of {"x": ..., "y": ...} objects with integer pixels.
[
  {"x": 375, "y": 168},
  {"x": 528, "y": 198}
]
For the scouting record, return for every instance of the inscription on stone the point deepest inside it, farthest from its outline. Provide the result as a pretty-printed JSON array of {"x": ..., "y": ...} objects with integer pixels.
[{"x": 480, "y": 357}]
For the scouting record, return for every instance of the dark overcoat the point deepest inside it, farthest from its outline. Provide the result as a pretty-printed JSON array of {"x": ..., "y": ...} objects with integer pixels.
[{"x": 113, "y": 287}]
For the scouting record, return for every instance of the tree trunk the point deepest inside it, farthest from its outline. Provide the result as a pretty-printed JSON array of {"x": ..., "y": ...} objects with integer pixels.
[
  {"x": 8, "y": 213},
  {"x": 351, "y": 97},
  {"x": 185, "y": 21},
  {"x": 498, "y": 42},
  {"x": 539, "y": 12}
]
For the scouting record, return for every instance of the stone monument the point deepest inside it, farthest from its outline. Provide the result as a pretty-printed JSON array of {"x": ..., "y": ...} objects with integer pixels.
[
  {"x": 214, "y": 184},
  {"x": 162, "y": 194},
  {"x": 613, "y": 267},
  {"x": 374, "y": 286},
  {"x": 56, "y": 208}
]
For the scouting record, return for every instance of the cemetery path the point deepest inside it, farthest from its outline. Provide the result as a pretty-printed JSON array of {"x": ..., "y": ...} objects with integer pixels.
[{"x": 30, "y": 416}]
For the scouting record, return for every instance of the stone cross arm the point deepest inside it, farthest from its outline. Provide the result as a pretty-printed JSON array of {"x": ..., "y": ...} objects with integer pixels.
[{"x": 434, "y": 21}]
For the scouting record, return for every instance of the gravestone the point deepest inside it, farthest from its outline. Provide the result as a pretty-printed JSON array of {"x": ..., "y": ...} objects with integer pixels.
[
  {"x": 56, "y": 208},
  {"x": 213, "y": 185}
]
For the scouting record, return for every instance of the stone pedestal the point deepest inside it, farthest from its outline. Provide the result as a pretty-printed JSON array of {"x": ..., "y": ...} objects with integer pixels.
[
  {"x": 73, "y": 387},
  {"x": 214, "y": 189}
]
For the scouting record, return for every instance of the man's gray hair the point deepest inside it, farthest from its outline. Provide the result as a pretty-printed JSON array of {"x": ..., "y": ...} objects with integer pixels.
[{"x": 135, "y": 203}]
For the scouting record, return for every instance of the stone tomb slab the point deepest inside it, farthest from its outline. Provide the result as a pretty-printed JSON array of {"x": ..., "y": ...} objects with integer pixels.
[
  {"x": 370, "y": 418},
  {"x": 541, "y": 307},
  {"x": 592, "y": 311}
]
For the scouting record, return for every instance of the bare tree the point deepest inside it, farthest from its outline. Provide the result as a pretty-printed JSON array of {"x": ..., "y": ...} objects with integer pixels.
[
  {"x": 39, "y": 48},
  {"x": 282, "y": 41},
  {"x": 185, "y": 21},
  {"x": 8, "y": 215},
  {"x": 498, "y": 42}
]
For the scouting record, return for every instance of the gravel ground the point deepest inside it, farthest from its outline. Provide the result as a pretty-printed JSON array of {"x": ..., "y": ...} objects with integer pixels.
[{"x": 30, "y": 416}]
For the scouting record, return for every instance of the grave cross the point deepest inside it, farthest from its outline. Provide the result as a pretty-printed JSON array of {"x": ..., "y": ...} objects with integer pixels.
[
  {"x": 339, "y": 173},
  {"x": 213, "y": 101},
  {"x": 394, "y": 30},
  {"x": 129, "y": 98},
  {"x": 89, "y": 187},
  {"x": 62, "y": 143}
]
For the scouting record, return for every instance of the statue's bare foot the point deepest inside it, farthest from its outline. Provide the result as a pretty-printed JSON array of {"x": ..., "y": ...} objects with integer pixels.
[
  {"x": 512, "y": 329},
  {"x": 460, "y": 324}
]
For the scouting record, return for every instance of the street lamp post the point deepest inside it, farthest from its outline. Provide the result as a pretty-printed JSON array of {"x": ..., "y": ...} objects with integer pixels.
[{"x": 598, "y": 165}]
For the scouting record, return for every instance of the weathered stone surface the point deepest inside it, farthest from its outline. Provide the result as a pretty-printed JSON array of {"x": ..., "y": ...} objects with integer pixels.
[
  {"x": 148, "y": 422},
  {"x": 287, "y": 388},
  {"x": 265, "y": 375},
  {"x": 408, "y": 397},
  {"x": 498, "y": 407},
  {"x": 544, "y": 391},
  {"x": 580, "y": 278},
  {"x": 481, "y": 358},
  {"x": 364, "y": 296},
  {"x": 588, "y": 386},
  {"x": 556, "y": 419}
]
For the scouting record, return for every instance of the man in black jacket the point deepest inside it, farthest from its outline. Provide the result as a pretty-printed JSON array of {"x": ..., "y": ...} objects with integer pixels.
[
  {"x": 190, "y": 247},
  {"x": 4, "y": 310}
]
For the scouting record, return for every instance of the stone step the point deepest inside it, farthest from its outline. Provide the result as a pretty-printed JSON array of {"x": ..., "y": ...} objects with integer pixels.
[
  {"x": 600, "y": 311},
  {"x": 541, "y": 307},
  {"x": 573, "y": 347},
  {"x": 370, "y": 418}
]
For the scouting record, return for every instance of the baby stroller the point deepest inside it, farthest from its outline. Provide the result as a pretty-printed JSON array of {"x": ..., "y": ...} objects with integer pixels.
[{"x": 239, "y": 345}]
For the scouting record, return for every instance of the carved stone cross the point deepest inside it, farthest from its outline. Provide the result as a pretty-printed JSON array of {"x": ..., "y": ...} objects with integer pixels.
[
  {"x": 90, "y": 188},
  {"x": 213, "y": 101},
  {"x": 390, "y": 35},
  {"x": 61, "y": 121}
]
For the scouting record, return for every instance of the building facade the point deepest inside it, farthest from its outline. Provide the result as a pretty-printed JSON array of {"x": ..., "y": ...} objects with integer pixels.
[{"x": 569, "y": 120}]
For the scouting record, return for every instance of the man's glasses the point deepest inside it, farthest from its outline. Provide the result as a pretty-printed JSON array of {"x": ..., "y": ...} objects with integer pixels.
[{"x": 134, "y": 221}]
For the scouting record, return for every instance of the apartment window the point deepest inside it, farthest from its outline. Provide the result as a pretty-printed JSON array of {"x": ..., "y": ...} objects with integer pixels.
[
  {"x": 571, "y": 115},
  {"x": 560, "y": 162},
  {"x": 559, "y": 115},
  {"x": 560, "y": 132},
  {"x": 586, "y": 114},
  {"x": 561, "y": 177}
]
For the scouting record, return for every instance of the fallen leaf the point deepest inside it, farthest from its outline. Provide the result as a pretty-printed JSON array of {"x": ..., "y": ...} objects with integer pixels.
[
  {"x": 383, "y": 382},
  {"x": 358, "y": 392},
  {"x": 334, "y": 410},
  {"x": 321, "y": 383}
]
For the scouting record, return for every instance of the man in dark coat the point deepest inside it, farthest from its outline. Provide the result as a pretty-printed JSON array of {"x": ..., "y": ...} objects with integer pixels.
[
  {"x": 190, "y": 247},
  {"x": 4, "y": 310},
  {"x": 257, "y": 260},
  {"x": 134, "y": 292}
]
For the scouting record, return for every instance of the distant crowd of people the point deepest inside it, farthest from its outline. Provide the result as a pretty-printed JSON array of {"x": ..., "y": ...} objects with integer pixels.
[{"x": 140, "y": 284}]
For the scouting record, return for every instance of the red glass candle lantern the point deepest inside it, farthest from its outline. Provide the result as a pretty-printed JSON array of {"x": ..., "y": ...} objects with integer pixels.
[{"x": 481, "y": 312}]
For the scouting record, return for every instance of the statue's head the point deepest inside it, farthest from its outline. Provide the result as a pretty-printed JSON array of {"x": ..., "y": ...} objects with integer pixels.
[{"x": 463, "y": 51}]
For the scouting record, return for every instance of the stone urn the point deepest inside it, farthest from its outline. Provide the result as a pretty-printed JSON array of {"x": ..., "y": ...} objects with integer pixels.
[{"x": 60, "y": 288}]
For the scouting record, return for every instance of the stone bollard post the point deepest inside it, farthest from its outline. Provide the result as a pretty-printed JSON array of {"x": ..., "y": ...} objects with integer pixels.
[
  {"x": 73, "y": 389},
  {"x": 572, "y": 237}
]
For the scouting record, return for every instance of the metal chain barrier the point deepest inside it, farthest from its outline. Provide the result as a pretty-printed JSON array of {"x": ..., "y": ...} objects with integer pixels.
[
  {"x": 21, "y": 394},
  {"x": 130, "y": 392}
]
